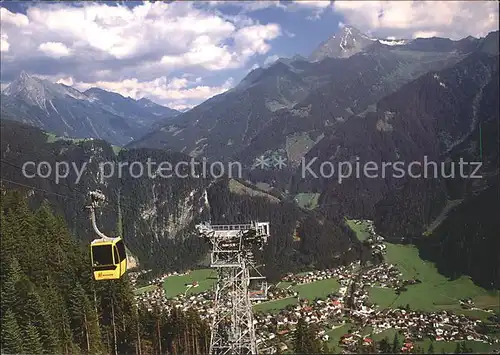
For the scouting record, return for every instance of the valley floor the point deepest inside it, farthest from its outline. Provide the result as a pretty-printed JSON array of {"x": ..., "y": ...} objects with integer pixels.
[{"x": 403, "y": 295}]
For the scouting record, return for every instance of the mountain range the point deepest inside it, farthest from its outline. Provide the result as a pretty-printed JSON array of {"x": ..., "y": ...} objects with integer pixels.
[
  {"x": 356, "y": 96},
  {"x": 297, "y": 101},
  {"x": 94, "y": 113}
]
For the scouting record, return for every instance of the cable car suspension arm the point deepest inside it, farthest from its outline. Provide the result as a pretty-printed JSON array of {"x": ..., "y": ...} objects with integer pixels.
[{"x": 96, "y": 197}]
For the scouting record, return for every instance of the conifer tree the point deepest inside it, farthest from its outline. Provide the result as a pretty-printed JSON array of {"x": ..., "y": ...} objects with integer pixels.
[
  {"x": 384, "y": 346},
  {"x": 10, "y": 297},
  {"x": 396, "y": 345},
  {"x": 32, "y": 343},
  {"x": 11, "y": 334},
  {"x": 38, "y": 317},
  {"x": 44, "y": 260},
  {"x": 83, "y": 320},
  {"x": 305, "y": 339},
  {"x": 8, "y": 244},
  {"x": 58, "y": 312},
  {"x": 50, "y": 301},
  {"x": 299, "y": 335},
  {"x": 22, "y": 228}
]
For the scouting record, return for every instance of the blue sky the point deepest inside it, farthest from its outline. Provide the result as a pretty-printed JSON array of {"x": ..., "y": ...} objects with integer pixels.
[{"x": 181, "y": 53}]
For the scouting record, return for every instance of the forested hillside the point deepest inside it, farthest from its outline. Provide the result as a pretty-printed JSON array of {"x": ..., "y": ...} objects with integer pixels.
[
  {"x": 443, "y": 117},
  {"x": 467, "y": 241},
  {"x": 322, "y": 243},
  {"x": 156, "y": 216},
  {"x": 51, "y": 305}
]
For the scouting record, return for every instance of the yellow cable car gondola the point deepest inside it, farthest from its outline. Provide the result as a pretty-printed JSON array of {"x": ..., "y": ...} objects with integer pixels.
[
  {"x": 109, "y": 259},
  {"x": 108, "y": 255}
]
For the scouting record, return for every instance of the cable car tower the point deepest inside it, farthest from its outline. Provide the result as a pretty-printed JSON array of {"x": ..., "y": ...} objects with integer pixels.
[{"x": 232, "y": 255}]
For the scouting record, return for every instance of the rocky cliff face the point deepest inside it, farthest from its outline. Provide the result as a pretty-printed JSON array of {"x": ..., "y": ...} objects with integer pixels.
[{"x": 343, "y": 44}]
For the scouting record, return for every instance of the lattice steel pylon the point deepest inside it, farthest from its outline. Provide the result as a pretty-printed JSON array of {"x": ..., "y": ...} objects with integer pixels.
[{"x": 233, "y": 329}]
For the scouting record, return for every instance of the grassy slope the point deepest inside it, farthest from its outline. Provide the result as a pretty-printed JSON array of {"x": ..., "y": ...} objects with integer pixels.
[
  {"x": 311, "y": 291},
  {"x": 307, "y": 200},
  {"x": 144, "y": 289},
  {"x": 238, "y": 188},
  {"x": 175, "y": 285},
  {"x": 361, "y": 230},
  {"x": 436, "y": 292}
]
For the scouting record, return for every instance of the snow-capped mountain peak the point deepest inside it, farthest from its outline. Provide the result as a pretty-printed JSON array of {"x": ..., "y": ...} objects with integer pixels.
[
  {"x": 346, "y": 42},
  {"x": 38, "y": 91},
  {"x": 66, "y": 111}
]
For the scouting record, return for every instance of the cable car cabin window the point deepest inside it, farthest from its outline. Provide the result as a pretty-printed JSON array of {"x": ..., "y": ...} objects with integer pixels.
[
  {"x": 121, "y": 250},
  {"x": 102, "y": 255},
  {"x": 117, "y": 257}
]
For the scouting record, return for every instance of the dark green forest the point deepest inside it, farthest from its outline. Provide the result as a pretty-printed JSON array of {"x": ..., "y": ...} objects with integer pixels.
[
  {"x": 165, "y": 240},
  {"x": 51, "y": 305}
]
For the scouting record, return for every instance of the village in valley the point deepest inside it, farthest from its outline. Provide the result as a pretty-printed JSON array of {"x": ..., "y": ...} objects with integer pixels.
[{"x": 353, "y": 306}]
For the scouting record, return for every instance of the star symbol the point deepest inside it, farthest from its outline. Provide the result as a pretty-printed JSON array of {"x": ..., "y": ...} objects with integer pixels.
[
  {"x": 279, "y": 162},
  {"x": 262, "y": 162}
]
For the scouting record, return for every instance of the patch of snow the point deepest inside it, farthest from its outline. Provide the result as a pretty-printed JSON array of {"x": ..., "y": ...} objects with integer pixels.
[
  {"x": 301, "y": 112},
  {"x": 62, "y": 117},
  {"x": 177, "y": 132},
  {"x": 149, "y": 212},
  {"x": 69, "y": 91},
  {"x": 389, "y": 42},
  {"x": 440, "y": 82},
  {"x": 384, "y": 126},
  {"x": 92, "y": 126}
]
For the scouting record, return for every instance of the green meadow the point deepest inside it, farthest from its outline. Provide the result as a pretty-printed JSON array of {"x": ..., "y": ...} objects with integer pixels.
[{"x": 176, "y": 285}]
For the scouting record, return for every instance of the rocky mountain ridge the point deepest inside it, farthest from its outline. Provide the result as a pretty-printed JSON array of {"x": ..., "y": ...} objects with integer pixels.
[
  {"x": 65, "y": 111},
  {"x": 301, "y": 99}
]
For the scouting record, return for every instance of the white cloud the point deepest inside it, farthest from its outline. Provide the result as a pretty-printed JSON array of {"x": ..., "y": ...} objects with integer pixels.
[
  {"x": 317, "y": 7},
  {"x": 314, "y": 9},
  {"x": 253, "y": 67},
  {"x": 248, "y": 41},
  {"x": 410, "y": 19},
  {"x": 177, "y": 34},
  {"x": 254, "y": 40},
  {"x": 176, "y": 91},
  {"x": 424, "y": 34},
  {"x": 249, "y": 6},
  {"x": 312, "y": 4},
  {"x": 9, "y": 18},
  {"x": 66, "y": 81},
  {"x": 171, "y": 52},
  {"x": 294, "y": 5},
  {"x": 54, "y": 49},
  {"x": 180, "y": 106},
  {"x": 132, "y": 49},
  {"x": 4, "y": 43}
]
